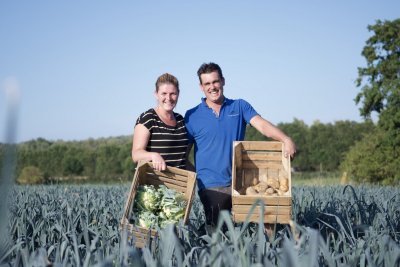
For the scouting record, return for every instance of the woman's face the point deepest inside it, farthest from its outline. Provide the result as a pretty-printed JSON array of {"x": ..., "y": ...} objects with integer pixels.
[{"x": 167, "y": 96}]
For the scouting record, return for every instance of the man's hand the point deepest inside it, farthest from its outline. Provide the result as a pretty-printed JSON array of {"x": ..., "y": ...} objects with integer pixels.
[{"x": 290, "y": 147}]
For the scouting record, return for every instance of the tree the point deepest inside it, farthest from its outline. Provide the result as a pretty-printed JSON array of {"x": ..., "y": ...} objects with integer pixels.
[
  {"x": 380, "y": 79},
  {"x": 253, "y": 135},
  {"x": 107, "y": 162},
  {"x": 371, "y": 160},
  {"x": 321, "y": 145},
  {"x": 299, "y": 132},
  {"x": 376, "y": 158},
  {"x": 72, "y": 166}
]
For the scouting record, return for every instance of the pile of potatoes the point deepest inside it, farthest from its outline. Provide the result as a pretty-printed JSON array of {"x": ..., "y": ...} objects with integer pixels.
[{"x": 269, "y": 187}]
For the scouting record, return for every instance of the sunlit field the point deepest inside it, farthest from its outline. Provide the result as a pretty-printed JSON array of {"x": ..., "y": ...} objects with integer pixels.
[
  {"x": 317, "y": 178},
  {"x": 79, "y": 226}
]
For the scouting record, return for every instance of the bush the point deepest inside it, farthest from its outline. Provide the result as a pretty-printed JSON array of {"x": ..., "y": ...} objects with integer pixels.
[
  {"x": 31, "y": 175},
  {"x": 374, "y": 159}
]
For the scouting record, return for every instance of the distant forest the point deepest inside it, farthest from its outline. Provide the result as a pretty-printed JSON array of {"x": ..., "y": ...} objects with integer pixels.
[{"x": 320, "y": 147}]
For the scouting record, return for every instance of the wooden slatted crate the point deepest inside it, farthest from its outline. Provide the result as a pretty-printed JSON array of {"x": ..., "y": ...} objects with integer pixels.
[
  {"x": 255, "y": 161},
  {"x": 174, "y": 178}
]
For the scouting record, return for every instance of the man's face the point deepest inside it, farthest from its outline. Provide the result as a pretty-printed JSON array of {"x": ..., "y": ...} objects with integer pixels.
[{"x": 213, "y": 87}]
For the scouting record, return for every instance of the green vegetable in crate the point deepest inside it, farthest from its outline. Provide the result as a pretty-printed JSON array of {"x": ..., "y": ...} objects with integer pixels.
[
  {"x": 147, "y": 198},
  {"x": 160, "y": 206},
  {"x": 147, "y": 219},
  {"x": 172, "y": 204},
  {"x": 163, "y": 220}
]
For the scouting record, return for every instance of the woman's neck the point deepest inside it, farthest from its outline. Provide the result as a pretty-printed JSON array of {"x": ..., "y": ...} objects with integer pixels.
[
  {"x": 165, "y": 113},
  {"x": 167, "y": 117}
]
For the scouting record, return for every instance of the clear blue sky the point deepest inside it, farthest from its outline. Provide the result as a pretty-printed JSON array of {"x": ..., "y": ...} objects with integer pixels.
[{"x": 87, "y": 68}]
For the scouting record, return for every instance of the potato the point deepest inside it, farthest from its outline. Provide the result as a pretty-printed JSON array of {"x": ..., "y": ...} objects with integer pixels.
[
  {"x": 261, "y": 187},
  {"x": 284, "y": 181},
  {"x": 274, "y": 183},
  {"x": 251, "y": 191},
  {"x": 284, "y": 184},
  {"x": 270, "y": 191},
  {"x": 284, "y": 188}
]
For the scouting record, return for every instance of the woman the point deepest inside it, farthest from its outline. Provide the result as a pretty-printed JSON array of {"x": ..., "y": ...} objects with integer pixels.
[{"x": 160, "y": 133}]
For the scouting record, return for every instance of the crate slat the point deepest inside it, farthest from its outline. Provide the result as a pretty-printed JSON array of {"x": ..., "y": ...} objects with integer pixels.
[
  {"x": 168, "y": 180},
  {"x": 262, "y": 145},
  {"x": 170, "y": 175},
  {"x": 259, "y": 164},
  {"x": 273, "y": 200},
  {"x": 269, "y": 156},
  {"x": 283, "y": 219},
  {"x": 267, "y": 209}
]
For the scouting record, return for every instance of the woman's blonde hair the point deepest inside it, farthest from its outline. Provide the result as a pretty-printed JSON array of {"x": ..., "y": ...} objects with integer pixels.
[{"x": 167, "y": 78}]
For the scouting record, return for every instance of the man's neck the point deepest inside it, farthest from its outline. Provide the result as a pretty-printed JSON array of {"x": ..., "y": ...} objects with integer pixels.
[{"x": 215, "y": 106}]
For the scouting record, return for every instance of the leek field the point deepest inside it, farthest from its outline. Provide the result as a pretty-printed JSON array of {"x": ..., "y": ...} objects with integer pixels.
[{"x": 78, "y": 225}]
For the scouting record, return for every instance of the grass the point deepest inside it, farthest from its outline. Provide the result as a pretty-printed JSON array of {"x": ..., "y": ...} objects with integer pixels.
[{"x": 316, "y": 179}]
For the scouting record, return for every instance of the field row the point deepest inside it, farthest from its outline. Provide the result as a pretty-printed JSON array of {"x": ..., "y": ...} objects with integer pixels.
[{"x": 78, "y": 226}]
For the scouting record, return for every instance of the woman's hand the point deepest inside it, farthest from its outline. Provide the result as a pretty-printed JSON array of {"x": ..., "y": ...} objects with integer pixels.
[{"x": 158, "y": 162}]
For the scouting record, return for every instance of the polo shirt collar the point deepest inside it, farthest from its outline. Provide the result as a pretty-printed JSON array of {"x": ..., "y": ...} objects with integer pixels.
[{"x": 204, "y": 103}]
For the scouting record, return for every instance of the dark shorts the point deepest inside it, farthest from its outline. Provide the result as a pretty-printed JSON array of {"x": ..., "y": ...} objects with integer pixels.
[{"x": 215, "y": 199}]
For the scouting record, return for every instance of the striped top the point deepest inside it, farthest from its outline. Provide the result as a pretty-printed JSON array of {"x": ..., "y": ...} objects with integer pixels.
[{"x": 170, "y": 141}]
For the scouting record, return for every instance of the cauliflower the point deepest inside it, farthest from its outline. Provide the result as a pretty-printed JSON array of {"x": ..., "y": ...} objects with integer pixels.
[{"x": 159, "y": 206}]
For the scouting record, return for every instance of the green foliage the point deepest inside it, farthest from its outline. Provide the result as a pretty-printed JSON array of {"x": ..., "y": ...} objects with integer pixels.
[
  {"x": 31, "y": 175},
  {"x": 375, "y": 158},
  {"x": 328, "y": 143},
  {"x": 253, "y": 135},
  {"x": 72, "y": 166},
  {"x": 320, "y": 146},
  {"x": 380, "y": 79},
  {"x": 79, "y": 226},
  {"x": 299, "y": 132},
  {"x": 102, "y": 159}
]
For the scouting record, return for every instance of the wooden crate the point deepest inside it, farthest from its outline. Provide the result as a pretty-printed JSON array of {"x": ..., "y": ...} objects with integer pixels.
[
  {"x": 180, "y": 180},
  {"x": 261, "y": 160}
]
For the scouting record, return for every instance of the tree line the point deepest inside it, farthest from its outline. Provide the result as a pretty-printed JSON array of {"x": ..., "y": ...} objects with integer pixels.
[
  {"x": 101, "y": 160},
  {"x": 320, "y": 146}
]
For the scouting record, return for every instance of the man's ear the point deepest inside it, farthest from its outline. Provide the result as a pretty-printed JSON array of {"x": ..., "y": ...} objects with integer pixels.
[{"x": 223, "y": 81}]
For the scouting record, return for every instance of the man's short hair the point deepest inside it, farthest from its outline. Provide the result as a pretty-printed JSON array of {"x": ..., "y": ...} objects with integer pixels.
[{"x": 208, "y": 68}]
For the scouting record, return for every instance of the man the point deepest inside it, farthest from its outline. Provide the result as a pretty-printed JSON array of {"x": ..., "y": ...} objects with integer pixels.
[{"x": 212, "y": 127}]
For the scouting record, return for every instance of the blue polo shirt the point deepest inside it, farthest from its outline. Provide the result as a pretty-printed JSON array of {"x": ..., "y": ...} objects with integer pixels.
[{"x": 213, "y": 138}]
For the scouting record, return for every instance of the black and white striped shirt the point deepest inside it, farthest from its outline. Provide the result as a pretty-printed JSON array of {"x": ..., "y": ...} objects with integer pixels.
[{"x": 170, "y": 141}]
